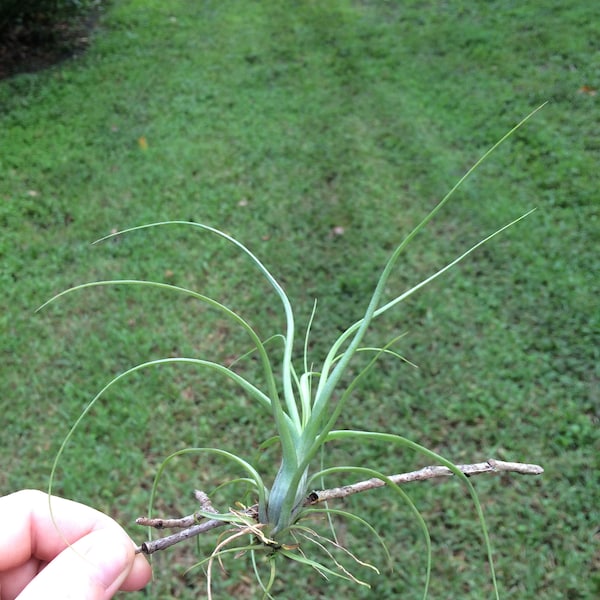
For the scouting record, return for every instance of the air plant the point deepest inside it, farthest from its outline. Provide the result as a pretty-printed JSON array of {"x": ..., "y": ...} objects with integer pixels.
[{"x": 301, "y": 403}]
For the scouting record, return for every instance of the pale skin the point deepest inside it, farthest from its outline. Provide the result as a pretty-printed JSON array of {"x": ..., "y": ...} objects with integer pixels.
[{"x": 74, "y": 553}]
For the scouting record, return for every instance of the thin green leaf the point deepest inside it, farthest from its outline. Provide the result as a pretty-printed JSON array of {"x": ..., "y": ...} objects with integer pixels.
[
  {"x": 287, "y": 307},
  {"x": 329, "y": 382},
  {"x": 398, "y": 490},
  {"x": 254, "y": 476},
  {"x": 259, "y": 345},
  {"x": 405, "y": 442},
  {"x": 246, "y": 385}
]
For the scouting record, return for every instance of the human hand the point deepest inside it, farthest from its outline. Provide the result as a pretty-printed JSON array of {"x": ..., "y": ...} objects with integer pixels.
[{"x": 36, "y": 560}]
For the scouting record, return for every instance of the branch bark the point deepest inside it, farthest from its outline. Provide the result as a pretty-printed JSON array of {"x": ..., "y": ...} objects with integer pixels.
[
  {"x": 490, "y": 466},
  {"x": 195, "y": 524}
]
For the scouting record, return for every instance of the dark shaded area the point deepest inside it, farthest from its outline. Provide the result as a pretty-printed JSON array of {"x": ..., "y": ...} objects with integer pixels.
[{"x": 28, "y": 45}]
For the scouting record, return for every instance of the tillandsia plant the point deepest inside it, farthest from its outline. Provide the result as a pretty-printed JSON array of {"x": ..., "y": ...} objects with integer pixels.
[{"x": 304, "y": 411}]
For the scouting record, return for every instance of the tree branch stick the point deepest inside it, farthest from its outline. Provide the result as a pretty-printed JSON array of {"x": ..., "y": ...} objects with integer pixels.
[
  {"x": 193, "y": 527},
  {"x": 181, "y": 522},
  {"x": 152, "y": 546},
  {"x": 490, "y": 466}
]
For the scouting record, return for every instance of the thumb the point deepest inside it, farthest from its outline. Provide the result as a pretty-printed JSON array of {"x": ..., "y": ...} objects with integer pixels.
[{"x": 93, "y": 568}]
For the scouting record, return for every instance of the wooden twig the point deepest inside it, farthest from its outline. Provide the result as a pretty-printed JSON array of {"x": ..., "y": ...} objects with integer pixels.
[
  {"x": 490, "y": 466},
  {"x": 181, "y": 522},
  {"x": 152, "y": 546},
  {"x": 195, "y": 524}
]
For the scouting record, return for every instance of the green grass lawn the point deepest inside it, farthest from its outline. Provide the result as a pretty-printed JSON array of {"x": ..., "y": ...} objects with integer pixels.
[{"x": 318, "y": 133}]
